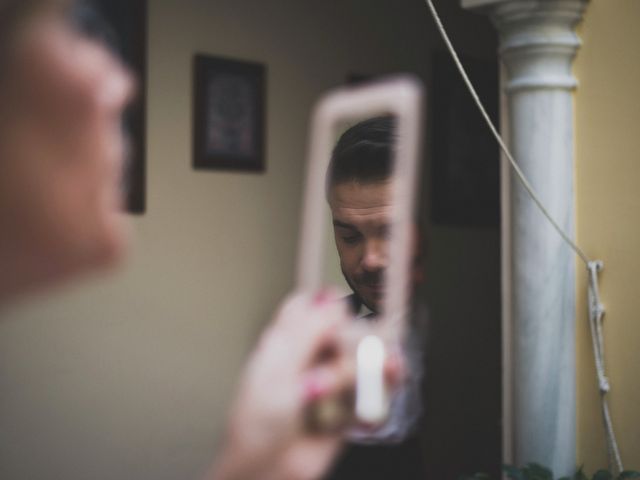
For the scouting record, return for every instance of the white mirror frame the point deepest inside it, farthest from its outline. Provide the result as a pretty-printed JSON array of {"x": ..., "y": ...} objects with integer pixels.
[{"x": 403, "y": 98}]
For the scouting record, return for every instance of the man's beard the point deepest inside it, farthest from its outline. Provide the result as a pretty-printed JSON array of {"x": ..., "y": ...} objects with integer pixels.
[{"x": 374, "y": 278}]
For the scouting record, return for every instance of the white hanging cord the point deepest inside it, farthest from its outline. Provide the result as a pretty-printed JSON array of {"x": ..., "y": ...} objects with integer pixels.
[
  {"x": 596, "y": 309},
  {"x": 596, "y": 313}
]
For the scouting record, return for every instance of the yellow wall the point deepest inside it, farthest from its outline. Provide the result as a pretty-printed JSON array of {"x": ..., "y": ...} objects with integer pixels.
[{"x": 608, "y": 220}]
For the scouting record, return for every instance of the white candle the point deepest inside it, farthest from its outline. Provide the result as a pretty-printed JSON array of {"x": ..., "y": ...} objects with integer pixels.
[{"x": 371, "y": 397}]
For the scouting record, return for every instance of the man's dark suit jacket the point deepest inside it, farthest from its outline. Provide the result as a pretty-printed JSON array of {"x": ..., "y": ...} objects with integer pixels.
[{"x": 402, "y": 461}]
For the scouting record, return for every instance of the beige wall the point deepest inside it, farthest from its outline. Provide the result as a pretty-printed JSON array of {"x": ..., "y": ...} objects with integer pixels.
[
  {"x": 128, "y": 376},
  {"x": 608, "y": 221}
]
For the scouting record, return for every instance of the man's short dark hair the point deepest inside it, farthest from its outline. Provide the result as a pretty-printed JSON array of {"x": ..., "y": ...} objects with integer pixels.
[{"x": 364, "y": 152}]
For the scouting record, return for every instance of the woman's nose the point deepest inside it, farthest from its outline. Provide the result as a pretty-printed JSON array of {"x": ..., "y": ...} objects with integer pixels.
[{"x": 119, "y": 86}]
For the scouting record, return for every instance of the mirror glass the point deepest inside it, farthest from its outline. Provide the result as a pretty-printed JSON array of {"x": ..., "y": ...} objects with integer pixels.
[
  {"x": 361, "y": 222},
  {"x": 359, "y": 203}
]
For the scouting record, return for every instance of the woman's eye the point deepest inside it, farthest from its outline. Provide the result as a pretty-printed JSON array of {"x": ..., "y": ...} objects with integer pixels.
[{"x": 92, "y": 23}]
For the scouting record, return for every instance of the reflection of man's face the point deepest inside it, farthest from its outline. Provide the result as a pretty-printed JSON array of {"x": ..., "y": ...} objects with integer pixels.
[{"x": 361, "y": 215}]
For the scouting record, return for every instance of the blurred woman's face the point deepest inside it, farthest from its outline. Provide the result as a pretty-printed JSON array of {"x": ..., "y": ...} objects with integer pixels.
[{"x": 61, "y": 154}]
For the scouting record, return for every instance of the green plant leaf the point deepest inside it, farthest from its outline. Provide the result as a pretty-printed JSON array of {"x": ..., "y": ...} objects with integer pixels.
[
  {"x": 628, "y": 474},
  {"x": 513, "y": 473},
  {"x": 602, "y": 475},
  {"x": 535, "y": 471},
  {"x": 579, "y": 475}
]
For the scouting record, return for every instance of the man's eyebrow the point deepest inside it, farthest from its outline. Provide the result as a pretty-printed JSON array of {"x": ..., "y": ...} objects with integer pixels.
[{"x": 338, "y": 223}]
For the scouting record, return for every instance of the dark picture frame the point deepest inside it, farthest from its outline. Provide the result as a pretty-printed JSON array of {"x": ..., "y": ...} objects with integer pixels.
[
  {"x": 228, "y": 114},
  {"x": 122, "y": 25}
]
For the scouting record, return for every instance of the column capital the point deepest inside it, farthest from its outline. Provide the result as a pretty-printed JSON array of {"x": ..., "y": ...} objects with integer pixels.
[{"x": 537, "y": 40}]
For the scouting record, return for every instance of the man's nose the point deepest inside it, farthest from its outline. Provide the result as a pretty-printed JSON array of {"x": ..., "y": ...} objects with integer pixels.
[{"x": 375, "y": 255}]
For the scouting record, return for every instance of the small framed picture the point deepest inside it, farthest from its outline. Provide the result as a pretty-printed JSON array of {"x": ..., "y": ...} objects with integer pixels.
[{"x": 229, "y": 111}]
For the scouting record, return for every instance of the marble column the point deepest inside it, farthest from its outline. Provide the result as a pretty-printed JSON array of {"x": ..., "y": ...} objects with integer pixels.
[{"x": 537, "y": 47}]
